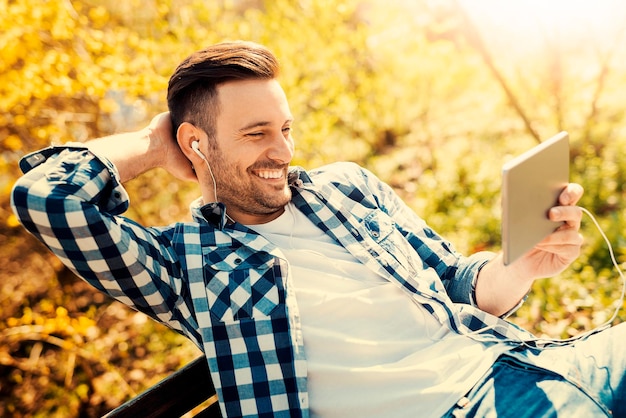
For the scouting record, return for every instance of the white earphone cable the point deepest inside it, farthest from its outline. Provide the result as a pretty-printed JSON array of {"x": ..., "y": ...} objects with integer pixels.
[{"x": 620, "y": 302}]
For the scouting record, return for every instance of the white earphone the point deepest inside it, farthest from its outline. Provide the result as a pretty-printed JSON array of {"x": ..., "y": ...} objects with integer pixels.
[{"x": 195, "y": 146}]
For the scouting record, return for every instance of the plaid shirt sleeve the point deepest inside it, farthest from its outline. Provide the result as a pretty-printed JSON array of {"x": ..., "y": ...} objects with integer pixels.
[
  {"x": 458, "y": 273},
  {"x": 71, "y": 201}
]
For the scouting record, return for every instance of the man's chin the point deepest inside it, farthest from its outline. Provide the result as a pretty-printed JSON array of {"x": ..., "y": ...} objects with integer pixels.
[
  {"x": 279, "y": 202},
  {"x": 266, "y": 203}
]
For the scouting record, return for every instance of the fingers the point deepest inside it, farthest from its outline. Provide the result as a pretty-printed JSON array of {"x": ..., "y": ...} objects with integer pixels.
[
  {"x": 569, "y": 215},
  {"x": 562, "y": 237},
  {"x": 555, "y": 252},
  {"x": 571, "y": 194},
  {"x": 161, "y": 125},
  {"x": 566, "y": 243}
]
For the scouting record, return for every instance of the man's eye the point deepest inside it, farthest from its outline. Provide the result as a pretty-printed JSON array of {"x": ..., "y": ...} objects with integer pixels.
[
  {"x": 287, "y": 129},
  {"x": 255, "y": 134}
]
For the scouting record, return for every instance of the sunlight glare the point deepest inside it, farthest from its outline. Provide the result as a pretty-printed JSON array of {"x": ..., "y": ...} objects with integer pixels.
[{"x": 568, "y": 22}]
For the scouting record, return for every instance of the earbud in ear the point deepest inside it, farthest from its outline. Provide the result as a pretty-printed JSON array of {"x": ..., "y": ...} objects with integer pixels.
[{"x": 195, "y": 146}]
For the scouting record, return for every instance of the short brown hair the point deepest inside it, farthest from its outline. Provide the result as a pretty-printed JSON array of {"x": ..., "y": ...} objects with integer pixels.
[{"x": 192, "y": 89}]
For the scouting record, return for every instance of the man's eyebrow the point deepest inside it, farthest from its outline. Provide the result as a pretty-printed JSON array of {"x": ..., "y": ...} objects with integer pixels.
[
  {"x": 254, "y": 125},
  {"x": 260, "y": 124}
]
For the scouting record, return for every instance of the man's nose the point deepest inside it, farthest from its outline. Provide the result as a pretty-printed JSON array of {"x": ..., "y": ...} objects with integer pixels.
[{"x": 282, "y": 149}]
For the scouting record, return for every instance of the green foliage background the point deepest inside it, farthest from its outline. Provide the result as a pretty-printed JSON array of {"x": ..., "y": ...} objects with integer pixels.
[{"x": 424, "y": 97}]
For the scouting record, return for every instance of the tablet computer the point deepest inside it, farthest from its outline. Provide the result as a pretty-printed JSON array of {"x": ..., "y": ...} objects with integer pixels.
[{"x": 531, "y": 184}]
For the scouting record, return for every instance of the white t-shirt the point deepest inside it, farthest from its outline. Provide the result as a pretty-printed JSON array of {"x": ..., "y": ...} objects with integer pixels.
[{"x": 371, "y": 350}]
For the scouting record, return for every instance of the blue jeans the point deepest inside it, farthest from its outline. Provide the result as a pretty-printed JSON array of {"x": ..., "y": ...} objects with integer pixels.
[{"x": 592, "y": 383}]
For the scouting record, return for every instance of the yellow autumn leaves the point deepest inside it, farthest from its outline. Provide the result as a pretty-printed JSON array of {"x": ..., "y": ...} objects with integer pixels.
[{"x": 51, "y": 320}]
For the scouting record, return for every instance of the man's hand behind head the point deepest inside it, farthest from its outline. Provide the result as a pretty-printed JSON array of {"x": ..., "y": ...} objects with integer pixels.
[{"x": 162, "y": 142}]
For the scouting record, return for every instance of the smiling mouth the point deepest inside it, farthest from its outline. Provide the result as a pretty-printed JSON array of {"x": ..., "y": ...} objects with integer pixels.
[{"x": 270, "y": 174}]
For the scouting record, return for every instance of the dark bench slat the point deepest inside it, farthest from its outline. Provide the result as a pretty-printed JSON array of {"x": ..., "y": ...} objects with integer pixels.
[{"x": 174, "y": 396}]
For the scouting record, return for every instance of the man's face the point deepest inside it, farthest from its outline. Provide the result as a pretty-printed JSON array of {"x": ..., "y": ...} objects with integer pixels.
[{"x": 255, "y": 147}]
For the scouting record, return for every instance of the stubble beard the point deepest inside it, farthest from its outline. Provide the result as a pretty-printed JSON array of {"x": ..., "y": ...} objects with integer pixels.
[{"x": 237, "y": 193}]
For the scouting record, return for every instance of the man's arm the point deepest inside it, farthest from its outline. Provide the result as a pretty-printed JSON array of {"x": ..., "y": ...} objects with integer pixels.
[
  {"x": 72, "y": 201},
  {"x": 499, "y": 288},
  {"x": 136, "y": 152}
]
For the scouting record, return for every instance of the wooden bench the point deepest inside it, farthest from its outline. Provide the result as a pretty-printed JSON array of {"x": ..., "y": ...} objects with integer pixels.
[{"x": 174, "y": 396}]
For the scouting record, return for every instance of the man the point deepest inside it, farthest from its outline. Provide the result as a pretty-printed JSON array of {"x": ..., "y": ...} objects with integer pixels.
[{"x": 310, "y": 292}]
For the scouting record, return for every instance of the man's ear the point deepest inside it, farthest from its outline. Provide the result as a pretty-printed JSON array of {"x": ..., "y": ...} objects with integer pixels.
[{"x": 186, "y": 134}]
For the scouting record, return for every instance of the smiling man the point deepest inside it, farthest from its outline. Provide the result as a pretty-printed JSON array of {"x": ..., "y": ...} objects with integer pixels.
[{"x": 310, "y": 292}]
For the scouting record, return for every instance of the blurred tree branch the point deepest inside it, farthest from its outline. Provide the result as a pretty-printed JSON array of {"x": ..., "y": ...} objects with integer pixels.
[{"x": 475, "y": 40}]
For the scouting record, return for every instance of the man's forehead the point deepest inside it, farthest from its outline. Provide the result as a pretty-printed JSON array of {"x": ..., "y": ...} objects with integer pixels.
[{"x": 253, "y": 102}]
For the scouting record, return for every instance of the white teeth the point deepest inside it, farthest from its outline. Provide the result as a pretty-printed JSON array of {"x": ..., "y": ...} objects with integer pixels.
[{"x": 270, "y": 174}]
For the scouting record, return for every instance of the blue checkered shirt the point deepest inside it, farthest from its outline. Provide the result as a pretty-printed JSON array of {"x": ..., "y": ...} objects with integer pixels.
[{"x": 226, "y": 287}]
